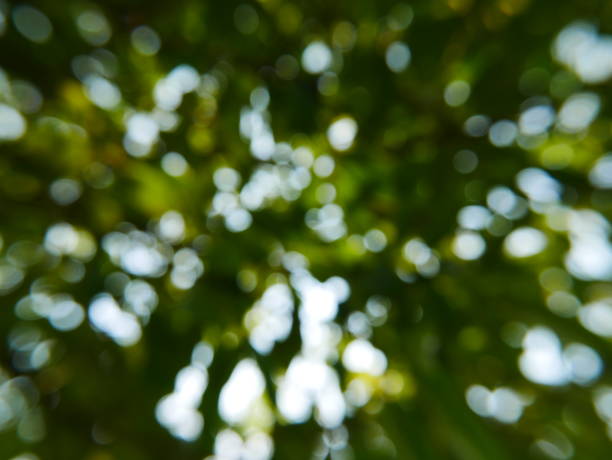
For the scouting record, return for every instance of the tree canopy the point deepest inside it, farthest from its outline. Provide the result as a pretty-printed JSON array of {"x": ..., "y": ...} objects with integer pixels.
[{"x": 305, "y": 230}]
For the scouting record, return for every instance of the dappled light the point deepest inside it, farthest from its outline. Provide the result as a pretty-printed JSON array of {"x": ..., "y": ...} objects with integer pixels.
[{"x": 278, "y": 229}]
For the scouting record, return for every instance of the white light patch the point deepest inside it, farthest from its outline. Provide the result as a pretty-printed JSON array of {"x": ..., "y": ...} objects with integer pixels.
[
  {"x": 61, "y": 239},
  {"x": 65, "y": 191},
  {"x": 536, "y": 120},
  {"x": 190, "y": 383},
  {"x": 590, "y": 259},
  {"x": 469, "y": 245},
  {"x": 293, "y": 395},
  {"x": 538, "y": 185},
  {"x": 137, "y": 253},
  {"x": 324, "y": 166},
  {"x": 174, "y": 164},
  {"x": 563, "y": 304},
  {"x": 360, "y": 356},
  {"x": 358, "y": 392},
  {"x": 421, "y": 255},
  {"x": 503, "y": 404},
  {"x": 375, "y": 240},
  {"x": 226, "y": 179},
  {"x": 66, "y": 315},
  {"x": 230, "y": 446},
  {"x": 182, "y": 421},
  {"x": 503, "y": 133},
  {"x": 238, "y": 220},
  {"x": 359, "y": 324},
  {"x": 583, "y": 363},
  {"x": 504, "y": 201},
  {"x": 142, "y": 129},
  {"x": 202, "y": 354},
  {"x": 258, "y": 446},
  {"x": 341, "y": 133},
  {"x": 309, "y": 383},
  {"x": 271, "y": 318},
  {"x": 398, "y": 56},
  {"x": 121, "y": 326},
  {"x": 331, "y": 407},
  {"x": 187, "y": 268},
  {"x": 140, "y": 298},
  {"x": 590, "y": 254},
  {"x": 171, "y": 227},
  {"x": 578, "y": 112},
  {"x": 541, "y": 360},
  {"x": 316, "y": 58},
  {"x": 255, "y": 127},
  {"x": 602, "y": 399},
  {"x": 525, "y": 242},
  {"x": 302, "y": 156},
  {"x": 319, "y": 301},
  {"x": 102, "y": 92},
  {"x": 260, "y": 98},
  {"x": 588, "y": 223},
  {"x": 457, "y": 93},
  {"x": 544, "y": 362},
  {"x": 583, "y": 50},
  {"x": 601, "y": 173},
  {"x": 597, "y": 317},
  {"x": 177, "y": 411},
  {"x": 474, "y": 217},
  {"x": 141, "y": 260},
  {"x": 185, "y": 78},
  {"x": 240, "y": 393},
  {"x": 416, "y": 251},
  {"x": 477, "y": 397},
  {"x": 167, "y": 94},
  {"x": 12, "y": 123}
]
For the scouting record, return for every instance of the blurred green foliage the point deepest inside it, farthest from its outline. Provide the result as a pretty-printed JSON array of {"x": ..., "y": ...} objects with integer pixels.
[{"x": 387, "y": 221}]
